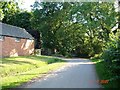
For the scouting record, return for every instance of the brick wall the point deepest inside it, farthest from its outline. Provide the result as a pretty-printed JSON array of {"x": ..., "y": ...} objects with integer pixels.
[{"x": 12, "y": 48}]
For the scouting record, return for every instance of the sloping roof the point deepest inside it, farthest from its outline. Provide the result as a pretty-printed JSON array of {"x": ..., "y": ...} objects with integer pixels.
[{"x": 9, "y": 30}]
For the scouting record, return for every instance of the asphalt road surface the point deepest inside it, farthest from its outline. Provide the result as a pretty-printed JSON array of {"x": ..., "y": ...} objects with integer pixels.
[{"x": 77, "y": 73}]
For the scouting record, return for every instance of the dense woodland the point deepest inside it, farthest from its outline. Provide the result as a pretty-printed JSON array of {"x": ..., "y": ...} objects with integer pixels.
[{"x": 88, "y": 29}]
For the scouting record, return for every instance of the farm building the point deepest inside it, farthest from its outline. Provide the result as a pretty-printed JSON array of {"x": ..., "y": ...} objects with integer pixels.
[{"x": 15, "y": 41}]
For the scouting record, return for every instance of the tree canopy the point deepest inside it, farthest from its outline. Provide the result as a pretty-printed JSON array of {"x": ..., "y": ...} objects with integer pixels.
[
  {"x": 81, "y": 28},
  {"x": 69, "y": 28}
]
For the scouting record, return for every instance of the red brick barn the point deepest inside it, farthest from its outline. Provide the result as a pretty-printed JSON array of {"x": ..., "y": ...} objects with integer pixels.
[{"x": 15, "y": 41}]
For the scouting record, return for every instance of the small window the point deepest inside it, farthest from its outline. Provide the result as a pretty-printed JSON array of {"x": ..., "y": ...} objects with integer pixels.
[
  {"x": 2, "y": 38},
  {"x": 17, "y": 39}
]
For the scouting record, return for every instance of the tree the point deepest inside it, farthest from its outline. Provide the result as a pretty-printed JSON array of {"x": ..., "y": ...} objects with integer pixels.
[
  {"x": 23, "y": 20},
  {"x": 9, "y": 9},
  {"x": 70, "y": 27}
]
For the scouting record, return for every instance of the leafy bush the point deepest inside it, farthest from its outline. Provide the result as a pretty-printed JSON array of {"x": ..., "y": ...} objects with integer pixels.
[
  {"x": 112, "y": 57},
  {"x": 112, "y": 52}
]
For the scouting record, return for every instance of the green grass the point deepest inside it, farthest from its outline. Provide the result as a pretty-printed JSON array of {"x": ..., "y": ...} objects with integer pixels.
[
  {"x": 105, "y": 73},
  {"x": 17, "y": 70}
]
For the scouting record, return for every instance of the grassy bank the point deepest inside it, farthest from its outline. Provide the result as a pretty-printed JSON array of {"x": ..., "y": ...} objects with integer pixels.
[
  {"x": 105, "y": 73},
  {"x": 17, "y": 70}
]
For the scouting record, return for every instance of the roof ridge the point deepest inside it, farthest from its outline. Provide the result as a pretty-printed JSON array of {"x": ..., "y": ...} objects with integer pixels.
[
  {"x": 27, "y": 32},
  {"x": 14, "y": 31},
  {"x": 12, "y": 25}
]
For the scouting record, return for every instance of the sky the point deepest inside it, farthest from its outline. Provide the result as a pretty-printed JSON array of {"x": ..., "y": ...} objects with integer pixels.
[{"x": 26, "y": 4}]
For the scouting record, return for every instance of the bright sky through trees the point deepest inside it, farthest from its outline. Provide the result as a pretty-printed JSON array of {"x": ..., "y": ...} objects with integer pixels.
[{"x": 26, "y": 4}]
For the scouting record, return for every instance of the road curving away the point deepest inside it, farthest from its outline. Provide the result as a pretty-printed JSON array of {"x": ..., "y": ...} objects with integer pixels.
[{"x": 77, "y": 73}]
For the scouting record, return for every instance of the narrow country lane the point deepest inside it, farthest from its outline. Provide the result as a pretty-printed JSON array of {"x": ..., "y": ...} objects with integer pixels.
[{"x": 77, "y": 73}]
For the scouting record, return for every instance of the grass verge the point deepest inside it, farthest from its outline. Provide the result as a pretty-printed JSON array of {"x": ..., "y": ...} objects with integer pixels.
[
  {"x": 18, "y": 70},
  {"x": 105, "y": 73}
]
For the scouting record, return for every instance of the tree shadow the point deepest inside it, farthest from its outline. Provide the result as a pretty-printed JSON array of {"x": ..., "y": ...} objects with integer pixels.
[
  {"x": 12, "y": 86},
  {"x": 1, "y": 66},
  {"x": 17, "y": 85},
  {"x": 6, "y": 61}
]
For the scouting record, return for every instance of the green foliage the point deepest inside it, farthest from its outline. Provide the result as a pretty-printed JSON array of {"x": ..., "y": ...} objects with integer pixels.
[
  {"x": 112, "y": 53},
  {"x": 10, "y": 13},
  {"x": 1, "y": 14},
  {"x": 54, "y": 60},
  {"x": 106, "y": 73},
  {"x": 69, "y": 28},
  {"x": 82, "y": 28},
  {"x": 23, "y": 20},
  {"x": 9, "y": 9},
  {"x": 111, "y": 56}
]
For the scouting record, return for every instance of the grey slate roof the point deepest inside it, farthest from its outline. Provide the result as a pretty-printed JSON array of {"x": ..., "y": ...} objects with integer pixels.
[{"x": 9, "y": 30}]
